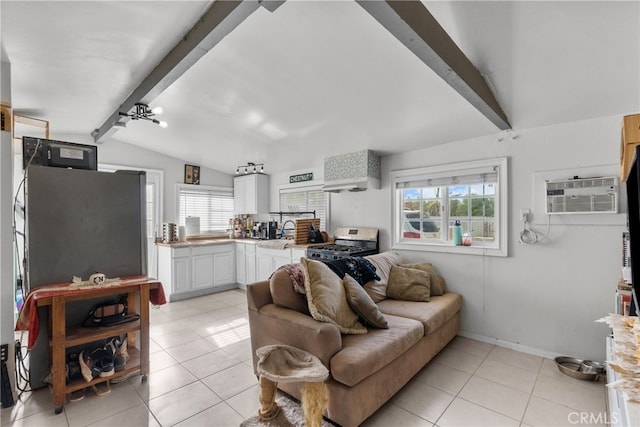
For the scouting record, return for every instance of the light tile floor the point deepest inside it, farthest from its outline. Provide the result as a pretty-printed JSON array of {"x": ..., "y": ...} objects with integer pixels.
[{"x": 201, "y": 375}]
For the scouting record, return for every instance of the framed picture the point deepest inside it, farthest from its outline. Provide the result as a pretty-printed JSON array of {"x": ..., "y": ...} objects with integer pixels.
[{"x": 191, "y": 174}]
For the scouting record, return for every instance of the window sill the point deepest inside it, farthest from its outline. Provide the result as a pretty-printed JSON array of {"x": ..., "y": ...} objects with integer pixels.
[{"x": 447, "y": 248}]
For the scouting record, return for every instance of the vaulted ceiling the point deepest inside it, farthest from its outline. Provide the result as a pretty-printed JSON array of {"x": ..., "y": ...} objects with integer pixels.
[{"x": 316, "y": 78}]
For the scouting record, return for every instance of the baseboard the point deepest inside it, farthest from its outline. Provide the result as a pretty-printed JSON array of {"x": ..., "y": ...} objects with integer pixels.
[{"x": 510, "y": 345}]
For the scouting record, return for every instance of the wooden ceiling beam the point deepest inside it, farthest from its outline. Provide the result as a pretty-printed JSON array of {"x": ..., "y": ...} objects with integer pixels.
[
  {"x": 412, "y": 24},
  {"x": 218, "y": 21}
]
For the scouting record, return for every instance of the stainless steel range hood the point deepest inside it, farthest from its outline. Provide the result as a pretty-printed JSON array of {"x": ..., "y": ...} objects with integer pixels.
[{"x": 352, "y": 172}]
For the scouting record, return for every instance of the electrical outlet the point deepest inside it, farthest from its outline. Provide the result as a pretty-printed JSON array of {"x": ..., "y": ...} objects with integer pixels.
[{"x": 4, "y": 352}]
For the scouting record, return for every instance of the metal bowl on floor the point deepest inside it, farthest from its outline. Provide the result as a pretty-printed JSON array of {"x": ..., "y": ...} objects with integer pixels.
[{"x": 581, "y": 369}]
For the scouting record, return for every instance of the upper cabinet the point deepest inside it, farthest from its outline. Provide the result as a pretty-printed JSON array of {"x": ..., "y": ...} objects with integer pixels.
[
  {"x": 629, "y": 140},
  {"x": 251, "y": 194}
]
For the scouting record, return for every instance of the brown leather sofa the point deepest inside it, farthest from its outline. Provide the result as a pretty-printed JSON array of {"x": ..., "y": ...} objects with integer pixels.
[{"x": 365, "y": 370}]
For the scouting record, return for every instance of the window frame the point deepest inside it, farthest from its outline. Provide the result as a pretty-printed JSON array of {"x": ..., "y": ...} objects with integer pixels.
[
  {"x": 497, "y": 248},
  {"x": 203, "y": 188},
  {"x": 299, "y": 187}
]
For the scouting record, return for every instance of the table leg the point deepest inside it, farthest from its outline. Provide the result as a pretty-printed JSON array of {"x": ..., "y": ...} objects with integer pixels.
[
  {"x": 58, "y": 357},
  {"x": 144, "y": 330}
]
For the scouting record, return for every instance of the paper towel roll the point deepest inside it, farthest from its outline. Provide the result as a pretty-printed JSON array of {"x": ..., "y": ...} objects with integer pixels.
[{"x": 192, "y": 226}]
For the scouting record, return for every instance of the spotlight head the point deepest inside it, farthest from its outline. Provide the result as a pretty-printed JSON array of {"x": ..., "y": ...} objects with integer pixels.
[
  {"x": 163, "y": 124},
  {"x": 157, "y": 110}
]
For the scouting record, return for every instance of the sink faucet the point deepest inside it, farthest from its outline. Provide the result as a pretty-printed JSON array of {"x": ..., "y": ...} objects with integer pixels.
[{"x": 289, "y": 221}]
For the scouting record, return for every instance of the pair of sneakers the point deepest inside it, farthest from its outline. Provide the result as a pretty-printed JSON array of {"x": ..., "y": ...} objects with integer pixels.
[
  {"x": 99, "y": 362},
  {"x": 104, "y": 361}
]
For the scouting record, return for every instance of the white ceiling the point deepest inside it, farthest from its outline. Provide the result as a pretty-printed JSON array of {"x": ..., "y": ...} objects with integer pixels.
[{"x": 316, "y": 78}]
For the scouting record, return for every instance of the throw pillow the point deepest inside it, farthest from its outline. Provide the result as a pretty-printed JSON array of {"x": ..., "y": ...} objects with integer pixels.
[
  {"x": 362, "y": 304},
  {"x": 283, "y": 293},
  {"x": 327, "y": 299},
  {"x": 437, "y": 282},
  {"x": 357, "y": 267},
  {"x": 408, "y": 284},
  {"x": 383, "y": 263}
]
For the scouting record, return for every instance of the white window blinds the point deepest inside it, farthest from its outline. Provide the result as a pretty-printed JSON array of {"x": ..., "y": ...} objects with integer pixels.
[
  {"x": 213, "y": 207},
  {"x": 486, "y": 175},
  {"x": 297, "y": 200}
]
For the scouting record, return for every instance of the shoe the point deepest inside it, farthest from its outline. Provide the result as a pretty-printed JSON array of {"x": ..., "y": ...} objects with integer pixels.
[
  {"x": 118, "y": 348},
  {"x": 101, "y": 388},
  {"x": 86, "y": 365},
  {"x": 74, "y": 396},
  {"x": 103, "y": 364},
  {"x": 97, "y": 363},
  {"x": 73, "y": 370}
]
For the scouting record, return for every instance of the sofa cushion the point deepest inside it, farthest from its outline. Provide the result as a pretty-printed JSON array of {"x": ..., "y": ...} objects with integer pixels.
[
  {"x": 362, "y": 304},
  {"x": 283, "y": 292},
  {"x": 432, "y": 314},
  {"x": 327, "y": 299},
  {"x": 409, "y": 284},
  {"x": 437, "y": 281},
  {"x": 363, "y": 355},
  {"x": 377, "y": 289}
]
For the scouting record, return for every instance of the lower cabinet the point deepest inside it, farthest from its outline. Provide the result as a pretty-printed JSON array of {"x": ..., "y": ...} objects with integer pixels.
[
  {"x": 245, "y": 264},
  {"x": 191, "y": 271},
  {"x": 251, "y": 267},
  {"x": 254, "y": 263},
  {"x": 268, "y": 260}
]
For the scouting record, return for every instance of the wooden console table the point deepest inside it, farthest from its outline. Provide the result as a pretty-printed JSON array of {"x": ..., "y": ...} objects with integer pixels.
[{"x": 63, "y": 337}]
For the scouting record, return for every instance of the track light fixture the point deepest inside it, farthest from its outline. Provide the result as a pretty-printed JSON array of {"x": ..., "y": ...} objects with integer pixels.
[
  {"x": 250, "y": 167},
  {"x": 143, "y": 112}
]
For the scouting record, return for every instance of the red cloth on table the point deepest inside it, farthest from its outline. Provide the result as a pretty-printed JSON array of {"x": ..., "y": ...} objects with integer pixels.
[{"x": 28, "y": 318}]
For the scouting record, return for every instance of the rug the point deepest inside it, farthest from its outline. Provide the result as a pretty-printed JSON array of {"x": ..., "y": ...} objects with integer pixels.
[{"x": 291, "y": 415}]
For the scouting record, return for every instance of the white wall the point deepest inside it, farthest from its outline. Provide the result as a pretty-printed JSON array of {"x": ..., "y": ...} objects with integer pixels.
[
  {"x": 543, "y": 298},
  {"x": 120, "y": 153}
]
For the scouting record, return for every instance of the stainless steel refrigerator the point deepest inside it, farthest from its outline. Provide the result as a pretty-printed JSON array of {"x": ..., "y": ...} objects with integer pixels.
[{"x": 79, "y": 222}]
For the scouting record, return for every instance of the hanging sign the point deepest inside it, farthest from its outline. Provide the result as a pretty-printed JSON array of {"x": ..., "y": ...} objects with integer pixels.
[{"x": 301, "y": 177}]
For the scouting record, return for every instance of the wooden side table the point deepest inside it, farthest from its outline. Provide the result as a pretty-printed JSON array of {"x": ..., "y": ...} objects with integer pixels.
[{"x": 63, "y": 337}]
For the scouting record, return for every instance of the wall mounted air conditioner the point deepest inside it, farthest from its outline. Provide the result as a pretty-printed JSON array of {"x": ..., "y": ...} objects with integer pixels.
[{"x": 582, "y": 196}]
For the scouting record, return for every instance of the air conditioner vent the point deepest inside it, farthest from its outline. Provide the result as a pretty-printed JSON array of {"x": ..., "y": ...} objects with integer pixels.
[{"x": 580, "y": 196}]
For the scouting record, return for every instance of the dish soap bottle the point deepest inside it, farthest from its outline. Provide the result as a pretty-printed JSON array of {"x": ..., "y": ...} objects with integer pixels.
[{"x": 457, "y": 233}]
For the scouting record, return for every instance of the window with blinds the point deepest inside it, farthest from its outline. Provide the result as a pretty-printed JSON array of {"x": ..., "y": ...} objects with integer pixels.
[
  {"x": 214, "y": 207},
  {"x": 305, "y": 200},
  {"x": 428, "y": 201}
]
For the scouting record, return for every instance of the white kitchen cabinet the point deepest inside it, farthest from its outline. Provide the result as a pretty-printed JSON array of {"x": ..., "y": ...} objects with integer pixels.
[
  {"x": 297, "y": 253},
  {"x": 202, "y": 267},
  {"x": 245, "y": 263},
  {"x": 224, "y": 267},
  {"x": 241, "y": 264},
  {"x": 250, "y": 259},
  {"x": 194, "y": 270},
  {"x": 268, "y": 260},
  {"x": 251, "y": 194}
]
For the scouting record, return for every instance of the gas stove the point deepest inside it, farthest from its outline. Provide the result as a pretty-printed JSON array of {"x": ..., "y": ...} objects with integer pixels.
[{"x": 348, "y": 241}]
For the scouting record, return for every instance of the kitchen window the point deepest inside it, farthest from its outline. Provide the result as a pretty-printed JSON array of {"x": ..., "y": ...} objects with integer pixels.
[
  {"x": 213, "y": 205},
  {"x": 305, "y": 199},
  {"x": 428, "y": 201}
]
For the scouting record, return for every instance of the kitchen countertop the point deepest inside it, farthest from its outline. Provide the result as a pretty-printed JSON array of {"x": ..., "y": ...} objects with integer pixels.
[{"x": 206, "y": 242}]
